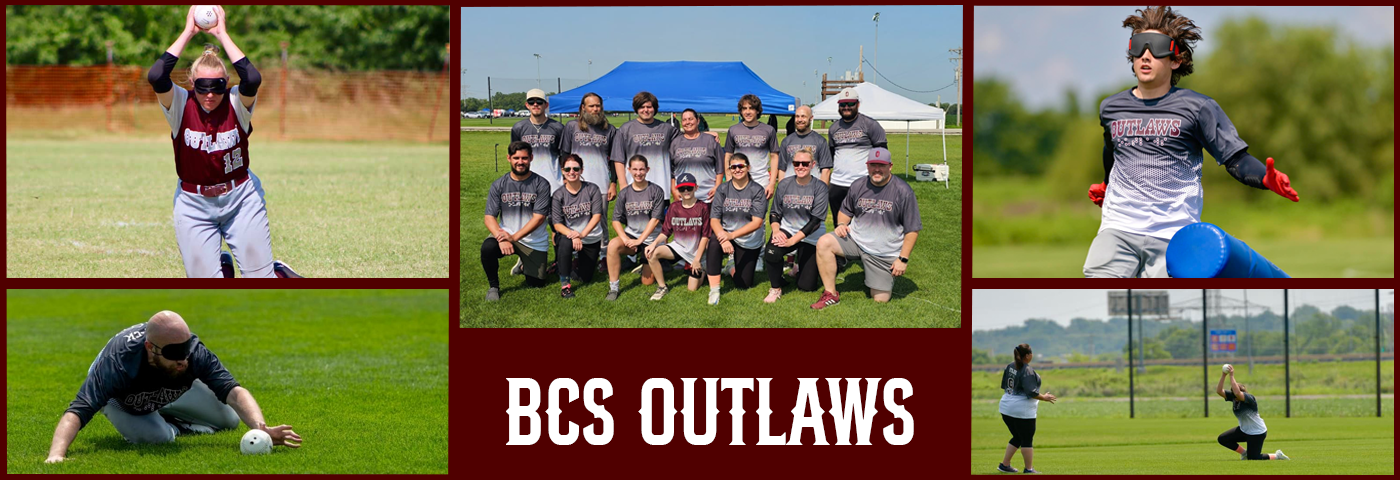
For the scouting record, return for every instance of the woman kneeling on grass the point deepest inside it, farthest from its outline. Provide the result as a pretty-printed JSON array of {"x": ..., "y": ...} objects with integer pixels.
[
  {"x": 1251, "y": 430},
  {"x": 1018, "y": 406}
]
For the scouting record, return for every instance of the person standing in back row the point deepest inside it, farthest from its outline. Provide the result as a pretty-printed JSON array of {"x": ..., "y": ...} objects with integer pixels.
[
  {"x": 757, "y": 141},
  {"x": 851, "y": 140}
]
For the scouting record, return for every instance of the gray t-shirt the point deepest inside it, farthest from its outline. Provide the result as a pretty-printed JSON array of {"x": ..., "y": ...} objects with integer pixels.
[
  {"x": 852, "y": 143},
  {"x": 594, "y": 147},
  {"x": 652, "y": 141},
  {"x": 575, "y": 210},
  {"x": 795, "y": 204},
  {"x": 635, "y": 209},
  {"x": 1154, "y": 188},
  {"x": 1247, "y": 412},
  {"x": 735, "y": 208},
  {"x": 757, "y": 143},
  {"x": 880, "y": 216},
  {"x": 516, "y": 202},
  {"x": 121, "y": 373},
  {"x": 544, "y": 141},
  {"x": 702, "y": 157},
  {"x": 792, "y": 143}
]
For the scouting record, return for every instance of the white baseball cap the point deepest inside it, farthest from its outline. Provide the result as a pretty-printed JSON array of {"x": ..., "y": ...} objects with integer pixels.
[
  {"x": 536, "y": 93},
  {"x": 848, "y": 95}
]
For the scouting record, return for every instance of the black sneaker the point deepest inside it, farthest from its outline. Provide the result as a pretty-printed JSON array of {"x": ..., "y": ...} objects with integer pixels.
[
  {"x": 567, "y": 291},
  {"x": 226, "y": 264},
  {"x": 283, "y": 270},
  {"x": 1029, "y": 470},
  {"x": 1005, "y": 469}
]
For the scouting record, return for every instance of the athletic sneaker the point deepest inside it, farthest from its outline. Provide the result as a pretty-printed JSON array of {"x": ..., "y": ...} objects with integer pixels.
[
  {"x": 612, "y": 295},
  {"x": 1244, "y": 456},
  {"x": 773, "y": 295},
  {"x": 493, "y": 294},
  {"x": 660, "y": 292},
  {"x": 1280, "y": 455},
  {"x": 567, "y": 291},
  {"x": 828, "y": 299},
  {"x": 1005, "y": 469},
  {"x": 714, "y": 297},
  {"x": 226, "y": 264},
  {"x": 519, "y": 268},
  {"x": 283, "y": 270},
  {"x": 1029, "y": 470}
]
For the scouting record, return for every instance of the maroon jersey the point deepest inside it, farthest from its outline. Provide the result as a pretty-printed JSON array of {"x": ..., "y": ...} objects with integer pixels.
[{"x": 210, "y": 147}]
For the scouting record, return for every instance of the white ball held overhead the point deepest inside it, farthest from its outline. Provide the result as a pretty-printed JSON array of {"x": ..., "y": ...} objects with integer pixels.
[
  {"x": 1225, "y": 368},
  {"x": 205, "y": 16},
  {"x": 255, "y": 442}
]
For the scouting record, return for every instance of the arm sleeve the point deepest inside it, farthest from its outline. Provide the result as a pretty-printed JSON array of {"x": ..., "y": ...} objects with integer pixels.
[
  {"x": 97, "y": 388},
  {"x": 658, "y": 202},
  {"x": 824, "y": 160},
  {"x": 159, "y": 75},
  {"x": 542, "y": 198},
  {"x": 1107, "y": 151},
  {"x": 566, "y": 142},
  {"x": 249, "y": 78},
  {"x": 619, "y": 151},
  {"x": 729, "y": 143},
  {"x": 1247, "y": 169},
  {"x": 775, "y": 214},
  {"x": 911, "y": 220},
  {"x": 705, "y": 230},
  {"x": 599, "y": 206},
  {"x": 515, "y": 133},
  {"x": 877, "y": 135},
  {"x": 1218, "y": 134},
  {"x": 812, "y": 225},
  {"x": 819, "y": 208},
  {"x": 666, "y": 229}
]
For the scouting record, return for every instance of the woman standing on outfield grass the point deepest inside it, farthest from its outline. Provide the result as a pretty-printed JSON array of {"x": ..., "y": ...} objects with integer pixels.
[
  {"x": 1018, "y": 406},
  {"x": 1251, "y": 430}
]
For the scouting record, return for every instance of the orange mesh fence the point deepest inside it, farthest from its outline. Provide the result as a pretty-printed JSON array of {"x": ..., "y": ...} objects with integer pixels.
[{"x": 292, "y": 104}]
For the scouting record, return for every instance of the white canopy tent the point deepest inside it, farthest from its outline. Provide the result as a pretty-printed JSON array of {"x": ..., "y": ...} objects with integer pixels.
[{"x": 882, "y": 105}]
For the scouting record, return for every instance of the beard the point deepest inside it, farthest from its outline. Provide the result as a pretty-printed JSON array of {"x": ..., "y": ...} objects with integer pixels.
[
  {"x": 851, "y": 116},
  {"x": 593, "y": 119},
  {"x": 520, "y": 170}
]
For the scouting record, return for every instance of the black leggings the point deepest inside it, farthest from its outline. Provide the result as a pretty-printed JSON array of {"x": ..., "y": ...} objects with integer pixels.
[
  {"x": 836, "y": 195},
  {"x": 806, "y": 265},
  {"x": 587, "y": 257},
  {"x": 1231, "y": 439},
  {"x": 491, "y": 262},
  {"x": 745, "y": 260},
  {"x": 1022, "y": 430}
]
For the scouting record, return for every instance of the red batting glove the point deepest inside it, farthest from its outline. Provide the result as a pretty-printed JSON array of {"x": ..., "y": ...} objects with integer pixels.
[
  {"x": 1096, "y": 193},
  {"x": 1278, "y": 181}
]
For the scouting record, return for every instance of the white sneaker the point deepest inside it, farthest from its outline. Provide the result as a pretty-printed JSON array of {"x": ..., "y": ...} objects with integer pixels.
[
  {"x": 1279, "y": 455},
  {"x": 519, "y": 268},
  {"x": 714, "y": 297},
  {"x": 660, "y": 292}
]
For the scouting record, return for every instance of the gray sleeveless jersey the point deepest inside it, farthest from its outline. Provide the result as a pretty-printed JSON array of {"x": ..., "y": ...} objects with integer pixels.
[
  {"x": 1154, "y": 188},
  {"x": 544, "y": 141},
  {"x": 652, "y": 141}
]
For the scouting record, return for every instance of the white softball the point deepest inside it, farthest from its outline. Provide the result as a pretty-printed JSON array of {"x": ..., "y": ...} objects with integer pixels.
[
  {"x": 205, "y": 16},
  {"x": 1225, "y": 368}
]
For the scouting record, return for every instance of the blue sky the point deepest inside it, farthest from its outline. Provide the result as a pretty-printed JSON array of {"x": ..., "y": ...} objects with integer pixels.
[
  {"x": 783, "y": 45},
  {"x": 1089, "y": 41},
  {"x": 993, "y": 309}
]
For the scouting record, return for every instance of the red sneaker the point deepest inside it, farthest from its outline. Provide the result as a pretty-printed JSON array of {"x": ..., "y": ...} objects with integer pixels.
[{"x": 828, "y": 299}]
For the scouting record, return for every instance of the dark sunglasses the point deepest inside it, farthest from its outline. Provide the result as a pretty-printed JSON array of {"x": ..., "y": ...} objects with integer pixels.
[
  {"x": 210, "y": 85},
  {"x": 535, "y": 102},
  {"x": 846, "y": 104},
  {"x": 738, "y": 166},
  {"x": 177, "y": 351},
  {"x": 801, "y": 164},
  {"x": 573, "y": 169},
  {"x": 686, "y": 189},
  {"x": 1161, "y": 45}
]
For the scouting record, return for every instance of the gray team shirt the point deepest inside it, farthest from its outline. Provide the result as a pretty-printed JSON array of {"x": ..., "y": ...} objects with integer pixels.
[
  {"x": 1247, "y": 412},
  {"x": 735, "y": 208},
  {"x": 881, "y": 216},
  {"x": 792, "y": 143},
  {"x": 852, "y": 143},
  {"x": 702, "y": 157},
  {"x": 795, "y": 204},
  {"x": 594, "y": 147},
  {"x": 1154, "y": 188},
  {"x": 1019, "y": 388},
  {"x": 545, "y": 141},
  {"x": 635, "y": 209},
  {"x": 574, "y": 210},
  {"x": 120, "y": 373},
  {"x": 516, "y": 202},
  {"x": 757, "y": 143},
  {"x": 651, "y": 141}
]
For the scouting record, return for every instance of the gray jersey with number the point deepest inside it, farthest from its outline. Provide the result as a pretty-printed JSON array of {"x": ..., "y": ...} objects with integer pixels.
[
  {"x": 516, "y": 202},
  {"x": 544, "y": 141},
  {"x": 1155, "y": 186},
  {"x": 757, "y": 143},
  {"x": 702, "y": 157},
  {"x": 880, "y": 216},
  {"x": 792, "y": 143},
  {"x": 652, "y": 141},
  {"x": 635, "y": 209},
  {"x": 594, "y": 147},
  {"x": 852, "y": 143},
  {"x": 575, "y": 210},
  {"x": 795, "y": 204},
  {"x": 735, "y": 208}
]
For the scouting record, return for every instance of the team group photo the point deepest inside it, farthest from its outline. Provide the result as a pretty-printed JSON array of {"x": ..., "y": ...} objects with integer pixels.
[{"x": 672, "y": 169}]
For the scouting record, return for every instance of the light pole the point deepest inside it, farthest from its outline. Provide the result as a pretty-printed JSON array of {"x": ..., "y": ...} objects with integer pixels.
[
  {"x": 537, "y": 70},
  {"x": 876, "y": 18},
  {"x": 590, "y": 69}
]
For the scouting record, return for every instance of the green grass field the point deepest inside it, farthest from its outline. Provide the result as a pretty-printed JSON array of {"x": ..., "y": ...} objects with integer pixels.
[
  {"x": 929, "y": 295},
  {"x": 361, "y": 375},
  {"x": 102, "y": 207},
  {"x": 1315, "y": 446}
]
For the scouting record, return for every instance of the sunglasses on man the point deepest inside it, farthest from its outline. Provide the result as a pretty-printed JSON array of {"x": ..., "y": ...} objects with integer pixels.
[
  {"x": 176, "y": 351},
  {"x": 1160, "y": 45},
  {"x": 534, "y": 101}
]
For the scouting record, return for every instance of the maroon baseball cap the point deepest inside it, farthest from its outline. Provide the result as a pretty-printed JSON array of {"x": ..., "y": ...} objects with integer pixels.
[{"x": 878, "y": 155}]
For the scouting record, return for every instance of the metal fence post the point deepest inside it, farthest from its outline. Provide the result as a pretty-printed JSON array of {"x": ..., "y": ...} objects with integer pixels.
[
  {"x": 1287, "y": 400},
  {"x": 1131, "y": 408},
  {"x": 1205, "y": 356}
]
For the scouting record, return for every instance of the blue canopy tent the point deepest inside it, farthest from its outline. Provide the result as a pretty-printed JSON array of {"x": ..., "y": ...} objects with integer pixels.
[{"x": 707, "y": 87}]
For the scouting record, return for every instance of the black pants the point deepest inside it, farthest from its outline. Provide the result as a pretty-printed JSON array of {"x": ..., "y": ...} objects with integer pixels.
[
  {"x": 587, "y": 257},
  {"x": 1022, "y": 430},
  {"x": 491, "y": 262},
  {"x": 836, "y": 195},
  {"x": 806, "y": 265},
  {"x": 745, "y": 260},
  {"x": 1231, "y": 439}
]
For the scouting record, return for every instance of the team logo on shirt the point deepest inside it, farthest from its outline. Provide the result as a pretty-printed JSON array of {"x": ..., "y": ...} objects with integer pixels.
[
  {"x": 874, "y": 205},
  {"x": 648, "y": 139},
  {"x": 211, "y": 143},
  {"x": 642, "y": 207},
  {"x": 589, "y": 139},
  {"x": 687, "y": 221},
  {"x": 750, "y": 141},
  {"x": 737, "y": 204},
  {"x": 1154, "y": 127},
  {"x": 538, "y": 140},
  {"x": 798, "y": 201},
  {"x": 518, "y": 199},
  {"x": 690, "y": 152},
  {"x": 847, "y": 136},
  {"x": 151, "y": 401},
  {"x": 578, "y": 210}
]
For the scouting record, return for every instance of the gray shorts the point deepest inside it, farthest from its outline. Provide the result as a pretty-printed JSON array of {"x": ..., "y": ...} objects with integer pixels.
[
  {"x": 877, "y": 269},
  {"x": 1118, "y": 254}
]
